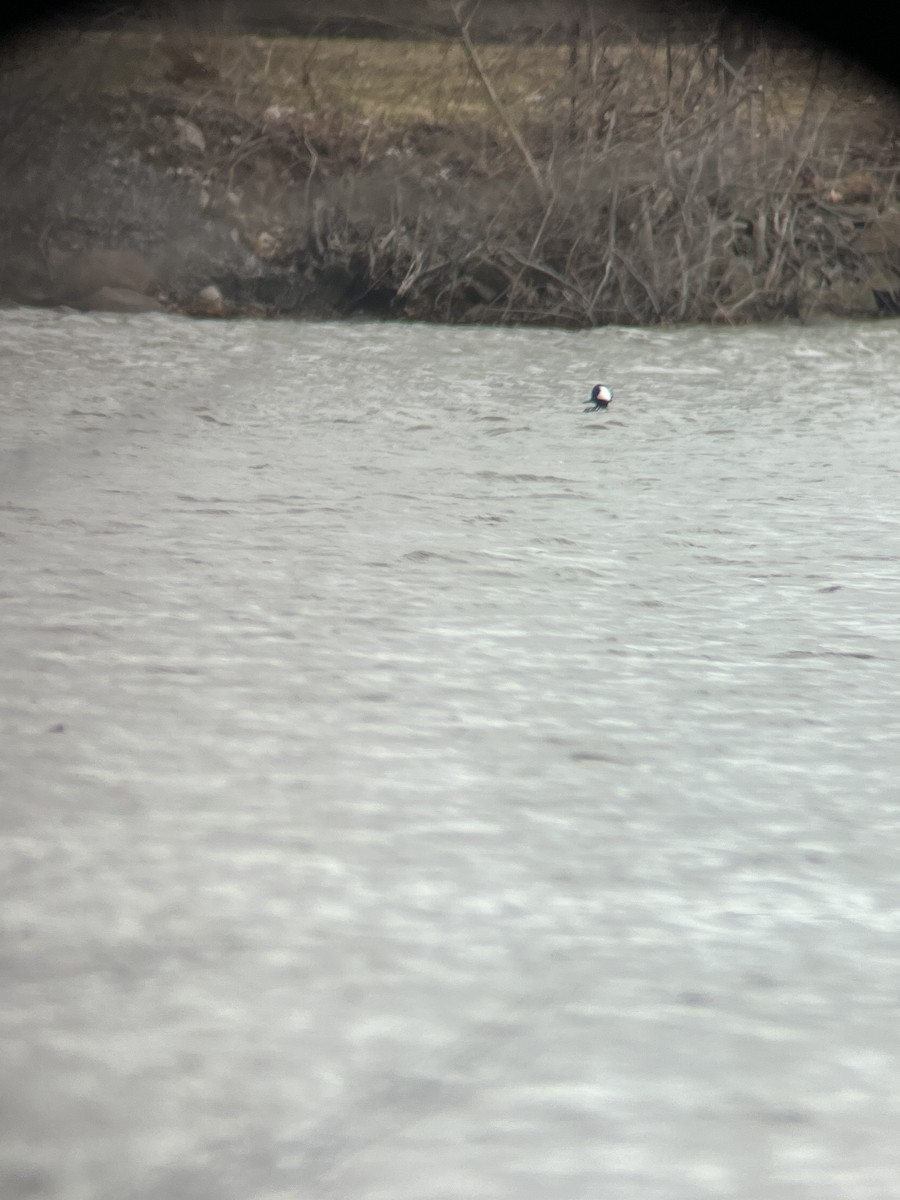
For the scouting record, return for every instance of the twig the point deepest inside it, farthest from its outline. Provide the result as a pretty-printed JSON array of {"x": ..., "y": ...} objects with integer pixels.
[{"x": 499, "y": 107}]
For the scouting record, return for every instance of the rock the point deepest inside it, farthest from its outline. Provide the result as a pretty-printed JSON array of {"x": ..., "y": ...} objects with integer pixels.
[
  {"x": 877, "y": 294},
  {"x": 280, "y": 116},
  {"x": 188, "y": 60},
  {"x": 859, "y": 188},
  {"x": 882, "y": 236},
  {"x": 121, "y": 300},
  {"x": 209, "y": 302},
  {"x": 91, "y": 271},
  {"x": 189, "y": 136},
  {"x": 265, "y": 245},
  {"x": 850, "y": 300}
]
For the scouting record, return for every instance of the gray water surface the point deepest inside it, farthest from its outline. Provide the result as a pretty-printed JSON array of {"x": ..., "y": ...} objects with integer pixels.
[{"x": 417, "y": 789}]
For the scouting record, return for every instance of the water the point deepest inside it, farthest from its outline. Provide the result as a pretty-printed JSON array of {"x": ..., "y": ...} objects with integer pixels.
[{"x": 417, "y": 789}]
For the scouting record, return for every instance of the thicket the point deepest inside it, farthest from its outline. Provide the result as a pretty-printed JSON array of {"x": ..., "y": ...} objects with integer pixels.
[
  {"x": 645, "y": 191},
  {"x": 639, "y": 183}
]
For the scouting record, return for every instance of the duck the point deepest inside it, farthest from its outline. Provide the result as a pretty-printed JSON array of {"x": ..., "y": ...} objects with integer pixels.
[{"x": 601, "y": 397}]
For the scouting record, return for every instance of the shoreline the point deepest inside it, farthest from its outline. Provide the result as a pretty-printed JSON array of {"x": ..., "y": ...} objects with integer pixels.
[{"x": 521, "y": 188}]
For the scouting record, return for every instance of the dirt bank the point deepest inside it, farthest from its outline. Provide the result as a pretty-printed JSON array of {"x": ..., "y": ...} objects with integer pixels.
[{"x": 609, "y": 182}]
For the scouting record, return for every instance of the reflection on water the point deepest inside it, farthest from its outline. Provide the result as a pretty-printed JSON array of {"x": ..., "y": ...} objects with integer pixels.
[{"x": 417, "y": 788}]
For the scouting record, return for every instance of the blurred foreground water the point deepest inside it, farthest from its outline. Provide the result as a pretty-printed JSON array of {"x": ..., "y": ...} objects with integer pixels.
[{"x": 417, "y": 789}]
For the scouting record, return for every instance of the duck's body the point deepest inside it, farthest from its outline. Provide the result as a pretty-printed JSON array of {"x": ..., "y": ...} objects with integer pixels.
[{"x": 601, "y": 397}]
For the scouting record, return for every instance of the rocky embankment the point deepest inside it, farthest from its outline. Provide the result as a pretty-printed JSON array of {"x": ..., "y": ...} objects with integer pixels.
[{"x": 179, "y": 200}]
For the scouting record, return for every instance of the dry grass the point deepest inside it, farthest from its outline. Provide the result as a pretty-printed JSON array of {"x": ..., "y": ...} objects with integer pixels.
[{"x": 407, "y": 83}]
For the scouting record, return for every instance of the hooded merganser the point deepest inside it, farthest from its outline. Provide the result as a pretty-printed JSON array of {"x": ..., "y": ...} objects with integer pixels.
[{"x": 601, "y": 397}]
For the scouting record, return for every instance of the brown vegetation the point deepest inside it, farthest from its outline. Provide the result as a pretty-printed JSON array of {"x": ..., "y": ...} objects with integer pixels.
[{"x": 604, "y": 181}]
